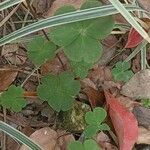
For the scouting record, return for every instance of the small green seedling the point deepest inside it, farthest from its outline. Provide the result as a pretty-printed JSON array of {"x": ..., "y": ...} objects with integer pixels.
[
  {"x": 59, "y": 91},
  {"x": 94, "y": 120},
  {"x": 13, "y": 99},
  {"x": 121, "y": 71},
  {"x": 87, "y": 145},
  {"x": 146, "y": 103},
  {"x": 40, "y": 50}
]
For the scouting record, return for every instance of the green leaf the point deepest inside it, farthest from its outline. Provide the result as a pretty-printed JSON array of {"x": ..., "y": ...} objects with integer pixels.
[
  {"x": 13, "y": 99},
  {"x": 94, "y": 120},
  {"x": 96, "y": 117},
  {"x": 40, "y": 50},
  {"x": 91, "y": 130},
  {"x": 87, "y": 145},
  {"x": 91, "y": 145},
  {"x": 104, "y": 126},
  {"x": 121, "y": 71},
  {"x": 146, "y": 103},
  {"x": 81, "y": 40},
  {"x": 59, "y": 91},
  {"x": 80, "y": 68},
  {"x": 85, "y": 49},
  {"x": 75, "y": 145}
]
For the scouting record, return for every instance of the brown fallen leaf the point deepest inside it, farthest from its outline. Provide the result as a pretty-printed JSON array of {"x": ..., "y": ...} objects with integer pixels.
[
  {"x": 59, "y": 3},
  {"x": 42, "y": 6},
  {"x": 144, "y": 136},
  {"x": 49, "y": 139},
  {"x": 96, "y": 97},
  {"x": 127, "y": 102},
  {"x": 14, "y": 54},
  {"x": 144, "y": 3},
  {"x": 55, "y": 66},
  {"x": 7, "y": 76},
  {"x": 138, "y": 86},
  {"x": 100, "y": 74},
  {"x": 104, "y": 141}
]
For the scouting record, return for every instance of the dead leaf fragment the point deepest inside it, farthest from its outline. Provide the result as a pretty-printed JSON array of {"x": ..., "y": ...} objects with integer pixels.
[
  {"x": 49, "y": 139},
  {"x": 138, "y": 86},
  {"x": 59, "y": 3},
  {"x": 104, "y": 141},
  {"x": 143, "y": 116},
  {"x": 145, "y": 4},
  {"x": 14, "y": 54},
  {"x": 144, "y": 136},
  {"x": 7, "y": 76}
]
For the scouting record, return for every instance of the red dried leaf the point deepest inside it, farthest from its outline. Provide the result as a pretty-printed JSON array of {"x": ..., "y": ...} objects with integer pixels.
[
  {"x": 134, "y": 39},
  {"x": 124, "y": 122}
]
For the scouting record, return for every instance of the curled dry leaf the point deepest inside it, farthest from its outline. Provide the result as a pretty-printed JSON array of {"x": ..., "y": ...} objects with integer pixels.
[
  {"x": 7, "y": 76},
  {"x": 124, "y": 122},
  {"x": 138, "y": 86},
  {"x": 144, "y": 136},
  {"x": 49, "y": 139}
]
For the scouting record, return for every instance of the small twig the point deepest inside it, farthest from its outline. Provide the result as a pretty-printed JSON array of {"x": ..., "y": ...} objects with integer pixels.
[{"x": 29, "y": 76}]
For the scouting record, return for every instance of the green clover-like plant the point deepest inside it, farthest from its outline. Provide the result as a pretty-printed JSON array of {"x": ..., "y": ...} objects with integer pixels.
[
  {"x": 40, "y": 50},
  {"x": 59, "y": 91},
  {"x": 80, "y": 40},
  {"x": 87, "y": 145},
  {"x": 80, "y": 69},
  {"x": 121, "y": 71},
  {"x": 94, "y": 120},
  {"x": 13, "y": 99}
]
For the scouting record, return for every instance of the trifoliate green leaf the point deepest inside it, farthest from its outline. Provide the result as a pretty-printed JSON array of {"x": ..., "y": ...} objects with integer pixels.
[
  {"x": 87, "y": 145},
  {"x": 80, "y": 68},
  {"x": 13, "y": 99},
  {"x": 65, "y": 9},
  {"x": 59, "y": 91},
  {"x": 40, "y": 50},
  {"x": 96, "y": 117},
  {"x": 121, "y": 71},
  {"x": 75, "y": 145},
  {"x": 80, "y": 40},
  {"x": 94, "y": 120},
  {"x": 90, "y": 4},
  {"x": 91, "y": 130},
  {"x": 91, "y": 145}
]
